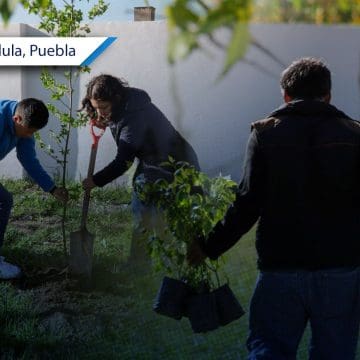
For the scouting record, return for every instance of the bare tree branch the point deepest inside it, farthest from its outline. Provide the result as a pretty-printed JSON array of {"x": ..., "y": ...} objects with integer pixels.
[{"x": 267, "y": 52}]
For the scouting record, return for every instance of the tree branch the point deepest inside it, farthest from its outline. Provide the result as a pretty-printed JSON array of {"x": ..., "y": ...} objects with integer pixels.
[
  {"x": 267, "y": 52},
  {"x": 203, "y": 5}
]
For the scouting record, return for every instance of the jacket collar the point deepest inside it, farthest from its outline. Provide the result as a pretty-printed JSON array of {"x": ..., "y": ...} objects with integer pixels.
[{"x": 308, "y": 108}]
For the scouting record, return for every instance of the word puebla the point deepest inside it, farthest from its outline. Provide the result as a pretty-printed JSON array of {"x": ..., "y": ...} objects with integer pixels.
[{"x": 35, "y": 50}]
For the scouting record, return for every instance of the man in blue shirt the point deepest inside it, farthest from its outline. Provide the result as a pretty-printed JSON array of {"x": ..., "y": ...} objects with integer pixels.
[{"x": 18, "y": 122}]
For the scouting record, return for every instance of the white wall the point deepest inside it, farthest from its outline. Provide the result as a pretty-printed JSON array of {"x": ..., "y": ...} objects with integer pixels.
[
  {"x": 213, "y": 115},
  {"x": 11, "y": 88},
  {"x": 25, "y": 82}
]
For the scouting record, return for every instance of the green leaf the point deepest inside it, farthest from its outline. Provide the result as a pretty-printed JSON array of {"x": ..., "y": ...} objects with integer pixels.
[
  {"x": 97, "y": 10},
  {"x": 181, "y": 45},
  {"x": 238, "y": 45},
  {"x": 189, "y": 20},
  {"x": 7, "y": 8},
  {"x": 186, "y": 214},
  {"x": 180, "y": 15}
]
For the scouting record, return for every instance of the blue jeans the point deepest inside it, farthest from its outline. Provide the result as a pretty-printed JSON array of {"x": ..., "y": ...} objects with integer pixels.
[
  {"x": 284, "y": 302},
  {"x": 148, "y": 221},
  {"x": 6, "y": 202},
  {"x": 147, "y": 217}
]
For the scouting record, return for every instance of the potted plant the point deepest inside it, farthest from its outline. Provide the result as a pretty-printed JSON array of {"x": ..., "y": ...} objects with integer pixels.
[{"x": 191, "y": 204}]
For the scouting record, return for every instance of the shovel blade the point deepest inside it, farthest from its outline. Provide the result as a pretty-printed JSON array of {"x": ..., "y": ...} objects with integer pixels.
[{"x": 81, "y": 253}]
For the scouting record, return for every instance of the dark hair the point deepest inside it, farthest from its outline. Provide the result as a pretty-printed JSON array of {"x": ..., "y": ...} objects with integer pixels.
[
  {"x": 306, "y": 78},
  {"x": 33, "y": 112},
  {"x": 103, "y": 87}
]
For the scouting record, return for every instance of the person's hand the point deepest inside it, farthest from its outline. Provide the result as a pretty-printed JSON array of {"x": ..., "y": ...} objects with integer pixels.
[
  {"x": 88, "y": 184},
  {"x": 195, "y": 256},
  {"x": 61, "y": 194}
]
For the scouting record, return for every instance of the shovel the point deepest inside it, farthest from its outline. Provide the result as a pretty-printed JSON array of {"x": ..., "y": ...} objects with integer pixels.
[{"x": 82, "y": 241}]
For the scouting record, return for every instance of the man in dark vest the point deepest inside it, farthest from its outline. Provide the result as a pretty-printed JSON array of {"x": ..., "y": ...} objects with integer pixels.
[{"x": 301, "y": 183}]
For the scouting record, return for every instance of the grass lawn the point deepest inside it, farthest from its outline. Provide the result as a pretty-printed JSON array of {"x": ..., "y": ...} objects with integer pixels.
[{"x": 45, "y": 316}]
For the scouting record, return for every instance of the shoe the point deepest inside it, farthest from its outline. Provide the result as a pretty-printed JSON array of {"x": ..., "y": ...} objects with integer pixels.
[{"x": 8, "y": 271}]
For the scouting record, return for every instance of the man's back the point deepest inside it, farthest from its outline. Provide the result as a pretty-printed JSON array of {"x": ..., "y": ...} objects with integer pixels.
[
  {"x": 7, "y": 131},
  {"x": 310, "y": 155},
  {"x": 301, "y": 182}
]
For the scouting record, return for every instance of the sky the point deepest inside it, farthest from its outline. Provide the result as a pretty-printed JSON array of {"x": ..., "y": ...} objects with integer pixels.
[{"x": 120, "y": 10}]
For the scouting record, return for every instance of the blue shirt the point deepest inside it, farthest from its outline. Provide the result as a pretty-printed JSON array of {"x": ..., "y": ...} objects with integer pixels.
[{"x": 25, "y": 147}]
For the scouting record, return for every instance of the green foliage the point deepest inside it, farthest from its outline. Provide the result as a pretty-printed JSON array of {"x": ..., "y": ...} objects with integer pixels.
[
  {"x": 190, "y": 20},
  {"x": 192, "y": 204},
  {"x": 237, "y": 46},
  {"x": 59, "y": 91},
  {"x": 66, "y": 21},
  {"x": 307, "y": 11},
  {"x": 7, "y": 7},
  {"x": 98, "y": 9},
  {"x": 63, "y": 22}
]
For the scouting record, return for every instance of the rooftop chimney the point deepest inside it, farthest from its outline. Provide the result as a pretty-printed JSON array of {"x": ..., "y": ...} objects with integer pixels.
[{"x": 144, "y": 13}]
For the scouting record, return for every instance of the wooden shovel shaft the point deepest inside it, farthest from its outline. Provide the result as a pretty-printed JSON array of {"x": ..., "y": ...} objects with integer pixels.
[{"x": 86, "y": 201}]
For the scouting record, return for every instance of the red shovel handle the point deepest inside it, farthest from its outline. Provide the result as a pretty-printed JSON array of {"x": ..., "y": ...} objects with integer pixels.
[{"x": 96, "y": 137}]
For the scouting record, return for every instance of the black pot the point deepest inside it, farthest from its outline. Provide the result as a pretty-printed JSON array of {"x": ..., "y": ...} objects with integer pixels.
[
  {"x": 228, "y": 307},
  {"x": 202, "y": 312},
  {"x": 171, "y": 298}
]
